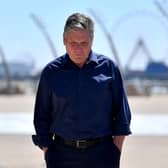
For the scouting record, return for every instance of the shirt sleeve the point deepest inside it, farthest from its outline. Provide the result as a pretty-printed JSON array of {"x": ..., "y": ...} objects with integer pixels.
[
  {"x": 120, "y": 107},
  {"x": 42, "y": 113}
]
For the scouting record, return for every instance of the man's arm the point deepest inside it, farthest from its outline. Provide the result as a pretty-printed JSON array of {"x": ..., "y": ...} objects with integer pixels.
[
  {"x": 118, "y": 141},
  {"x": 42, "y": 113},
  {"x": 121, "y": 113}
]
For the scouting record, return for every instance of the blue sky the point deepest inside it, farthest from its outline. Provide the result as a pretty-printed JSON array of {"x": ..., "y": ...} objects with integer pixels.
[{"x": 126, "y": 20}]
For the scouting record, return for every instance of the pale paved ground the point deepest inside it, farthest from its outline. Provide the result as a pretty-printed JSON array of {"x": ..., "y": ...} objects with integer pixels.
[
  {"x": 149, "y": 105},
  {"x": 138, "y": 152},
  {"x": 19, "y": 103}
]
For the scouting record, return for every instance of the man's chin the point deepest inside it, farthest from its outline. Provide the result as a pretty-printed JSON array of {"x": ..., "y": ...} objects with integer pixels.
[
  {"x": 79, "y": 63},
  {"x": 79, "y": 60}
]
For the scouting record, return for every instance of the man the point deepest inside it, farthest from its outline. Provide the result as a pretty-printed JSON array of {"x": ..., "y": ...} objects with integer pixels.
[{"x": 81, "y": 111}]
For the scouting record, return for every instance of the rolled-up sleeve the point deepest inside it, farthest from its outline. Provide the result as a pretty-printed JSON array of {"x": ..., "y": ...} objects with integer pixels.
[
  {"x": 121, "y": 110},
  {"x": 42, "y": 113}
]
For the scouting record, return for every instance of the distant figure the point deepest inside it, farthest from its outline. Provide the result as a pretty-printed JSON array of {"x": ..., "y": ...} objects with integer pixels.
[{"x": 81, "y": 112}]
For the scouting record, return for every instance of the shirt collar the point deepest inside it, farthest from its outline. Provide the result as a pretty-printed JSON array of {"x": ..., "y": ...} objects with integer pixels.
[{"x": 92, "y": 58}]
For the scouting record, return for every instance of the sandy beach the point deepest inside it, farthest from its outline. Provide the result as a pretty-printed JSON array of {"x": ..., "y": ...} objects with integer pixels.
[{"x": 17, "y": 151}]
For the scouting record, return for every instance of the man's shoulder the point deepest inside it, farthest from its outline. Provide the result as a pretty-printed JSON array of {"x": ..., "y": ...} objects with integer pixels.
[
  {"x": 56, "y": 63},
  {"x": 104, "y": 59}
]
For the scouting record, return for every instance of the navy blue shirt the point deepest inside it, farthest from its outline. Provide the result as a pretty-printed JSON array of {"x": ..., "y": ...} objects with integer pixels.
[{"x": 79, "y": 103}]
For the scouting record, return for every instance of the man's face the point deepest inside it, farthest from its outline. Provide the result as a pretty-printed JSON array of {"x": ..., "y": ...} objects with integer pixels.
[{"x": 78, "y": 44}]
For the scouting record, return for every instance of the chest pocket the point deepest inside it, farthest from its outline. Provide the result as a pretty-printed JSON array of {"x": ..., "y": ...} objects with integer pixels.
[{"x": 98, "y": 84}]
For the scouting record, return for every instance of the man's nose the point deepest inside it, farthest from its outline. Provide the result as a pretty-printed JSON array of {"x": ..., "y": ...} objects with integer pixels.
[{"x": 78, "y": 46}]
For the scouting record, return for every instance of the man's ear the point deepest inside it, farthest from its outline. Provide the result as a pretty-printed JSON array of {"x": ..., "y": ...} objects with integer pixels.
[{"x": 64, "y": 40}]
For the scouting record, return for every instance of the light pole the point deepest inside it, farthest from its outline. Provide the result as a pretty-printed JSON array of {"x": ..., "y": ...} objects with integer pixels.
[
  {"x": 161, "y": 9},
  {"x": 108, "y": 37},
  {"x": 46, "y": 35},
  {"x": 6, "y": 72}
]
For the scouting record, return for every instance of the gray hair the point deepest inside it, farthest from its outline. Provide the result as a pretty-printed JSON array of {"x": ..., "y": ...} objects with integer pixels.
[{"x": 79, "y": 21}]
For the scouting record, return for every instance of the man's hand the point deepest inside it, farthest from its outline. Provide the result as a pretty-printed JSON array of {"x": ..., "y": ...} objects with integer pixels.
[
  {"x": 44, "y": 149},
  {"x": 118, "y": 141}
]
